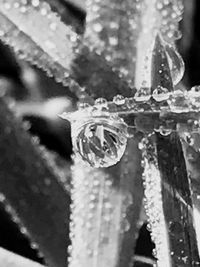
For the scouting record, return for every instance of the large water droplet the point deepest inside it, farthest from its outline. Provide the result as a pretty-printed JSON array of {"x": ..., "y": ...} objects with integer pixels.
[
  {"x": 176, "y": 64},
  {"x": 100, "y": 141}
]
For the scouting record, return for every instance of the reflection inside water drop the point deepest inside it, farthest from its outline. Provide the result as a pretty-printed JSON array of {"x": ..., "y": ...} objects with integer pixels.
[{"x": 100, "y": 141}]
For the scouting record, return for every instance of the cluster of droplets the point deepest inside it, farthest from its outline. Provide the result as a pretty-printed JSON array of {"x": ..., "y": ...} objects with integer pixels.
[
  {"x": 185, "y": 101},
  {"x": 177, "y": 101},
  {"x": 153, "y": 202},
  {"x": 171, "y": 12},
  {"x": 97, "y": 223},
  {"x": 50, "y": 47},
  {"x": 100, "y": 135}
]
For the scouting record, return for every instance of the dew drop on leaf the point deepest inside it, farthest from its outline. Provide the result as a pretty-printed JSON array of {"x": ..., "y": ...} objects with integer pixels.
[
  {"x": 101, "y": 141},
  {"x": 164, "y": 131},
  {"x": 176, "y": 64},
  {"x": 101, "y": 102},
  {"x": 119, "y": 100},
  {"x": 160, "y": 94}
]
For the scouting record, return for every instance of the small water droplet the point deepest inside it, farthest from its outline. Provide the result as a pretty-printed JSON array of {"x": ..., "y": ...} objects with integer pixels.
[
  {"x": 160, "y": 94},
  {"x": 97, "y": 27},
  {"x": 35, "y": 3},
  {"x": 107, "y": 217},
  {"x": 119, "y": 100},
  {"x": 176, "y": 64},
  {"x": 2, "y": 33},
  {"x": 47, "y": 181},
  {"x": 16, "y": 5},
  {"x": 73, "y": 38},
  {"x": 34, "y": 245},
  {"x": 143, "y": 94},
  {"x": 2, "y": 197},
  {"x": 189, "y": 139},
  {"x": 23, "y": 230},
  {"x": 70, "y": 249},
  {"x": 113, "y": 41},
  {"x": 7, "y": 6},
  {"x": 23, "y": 9},
  {"x": 101, "y": 102},
  {"x": 44, "y": 11},
  {"x": 148, "y": 227},
  {"x": 164, "y": 130},
  {"x": 141, "y": 145},
  {"x": 53, "y": 26},
  {"x": 108, "y": 205}
]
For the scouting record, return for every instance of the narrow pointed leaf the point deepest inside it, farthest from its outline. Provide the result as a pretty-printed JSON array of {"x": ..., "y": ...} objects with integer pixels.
[
  {"x": 93, "y": 73},
  {"x": 160, "y": 72},
  {"x": 177, "y": 202}
]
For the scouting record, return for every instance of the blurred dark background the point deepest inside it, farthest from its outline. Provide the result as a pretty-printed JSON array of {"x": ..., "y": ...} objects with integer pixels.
[{"x": 38, "y": 98}]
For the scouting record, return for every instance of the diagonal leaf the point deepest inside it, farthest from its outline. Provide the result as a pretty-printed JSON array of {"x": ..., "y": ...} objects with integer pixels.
[
  {"x": 177, "y": 202},
  {"x": 33, "y": 190},
  {"x": 175, "y": 192},
  {"x": 53, "y": 47},
  {"x": 8, "y": 259},
  {"x": 50, "y": 47}
]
